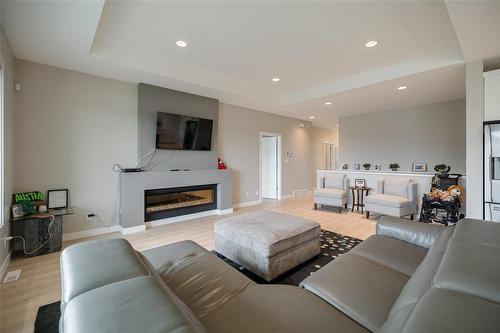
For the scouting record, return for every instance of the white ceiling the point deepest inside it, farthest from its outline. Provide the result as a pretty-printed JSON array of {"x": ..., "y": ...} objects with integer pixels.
[{"x": 235, "y": 48}]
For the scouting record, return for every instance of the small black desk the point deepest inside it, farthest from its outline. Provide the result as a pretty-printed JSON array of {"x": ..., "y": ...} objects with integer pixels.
[
  {"x": 357, "y": 200},
  {"x": 34, "y": 229}
]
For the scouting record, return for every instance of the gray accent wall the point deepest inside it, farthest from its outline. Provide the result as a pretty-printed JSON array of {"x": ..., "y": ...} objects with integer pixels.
[
  {"x": 432, "y": 134},
  {"x": 154, "y": 99}
]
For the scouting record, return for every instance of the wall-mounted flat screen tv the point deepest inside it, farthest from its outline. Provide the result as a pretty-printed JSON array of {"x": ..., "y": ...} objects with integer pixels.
[{"x": 175, "y": 131}]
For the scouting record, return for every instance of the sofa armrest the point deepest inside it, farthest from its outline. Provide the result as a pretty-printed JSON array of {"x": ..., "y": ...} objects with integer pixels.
[
  {"x": 320, "y": 182},
  {"x": 418, "y": 233}
]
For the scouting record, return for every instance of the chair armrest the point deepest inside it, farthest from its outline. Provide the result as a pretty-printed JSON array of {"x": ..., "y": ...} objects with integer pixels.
[
  {"x": 412, "y": 192},
  {"x": 346, "y": 184},
  {"x": 418, "y": 233},
  {"x": 380, "y": 187}
]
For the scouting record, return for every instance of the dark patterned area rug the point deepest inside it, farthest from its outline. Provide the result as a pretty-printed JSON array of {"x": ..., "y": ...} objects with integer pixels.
[{"x": 332, "y": 246}]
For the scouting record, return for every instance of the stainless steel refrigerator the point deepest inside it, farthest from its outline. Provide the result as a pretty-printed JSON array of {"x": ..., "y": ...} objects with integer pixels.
[{"x": 492, "y": 171}]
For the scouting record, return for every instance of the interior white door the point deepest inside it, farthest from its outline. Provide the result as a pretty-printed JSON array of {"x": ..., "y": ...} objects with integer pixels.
[{"x": 269, "y": 167}]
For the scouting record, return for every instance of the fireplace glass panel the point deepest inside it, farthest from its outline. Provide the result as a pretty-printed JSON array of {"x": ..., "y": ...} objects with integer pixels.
[{"x": 162, "y": 203}]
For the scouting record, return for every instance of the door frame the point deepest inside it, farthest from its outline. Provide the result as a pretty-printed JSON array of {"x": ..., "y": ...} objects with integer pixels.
[
  {"x": 331, "y": 143},
  {"x": 278, "y": 160}
]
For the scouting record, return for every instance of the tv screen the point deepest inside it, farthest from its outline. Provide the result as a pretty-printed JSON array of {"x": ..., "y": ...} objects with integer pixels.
[{"x": 175, "y": 131}]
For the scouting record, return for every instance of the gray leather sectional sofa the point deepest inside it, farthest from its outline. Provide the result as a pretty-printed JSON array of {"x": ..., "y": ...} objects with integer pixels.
[{"x": 409, "y": 277}]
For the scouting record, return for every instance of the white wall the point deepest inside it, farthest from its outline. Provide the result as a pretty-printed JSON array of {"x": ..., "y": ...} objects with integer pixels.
[
  {"x": 8, "y": 135},
  {"x": 70, "y": 130},
  {"x": 474, "y": 138},
  {"x": 239, "y": 135},
  {"x": 72, "y": 127},
  {"x": 432, "y": 134}
]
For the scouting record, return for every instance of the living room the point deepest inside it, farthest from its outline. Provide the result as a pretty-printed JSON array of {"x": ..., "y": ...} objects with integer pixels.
[{"x": 220, "y": 164}]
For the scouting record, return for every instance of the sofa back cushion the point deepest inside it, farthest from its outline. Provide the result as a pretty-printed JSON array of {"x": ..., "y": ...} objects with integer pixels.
[
  {"x": 334, "y": 181},
  {"x": 108, "y": 287},
  {"x": 396, "y": 187},
  {"x": 471, "y": 263}
]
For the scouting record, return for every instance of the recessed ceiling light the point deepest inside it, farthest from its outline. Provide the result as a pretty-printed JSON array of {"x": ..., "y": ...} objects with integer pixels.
[
  {"x": 402, "y": 88},
  {"x": 312, "y": 117},
  {"x": 328, "y": 103},
  {"x": 371, "y": 43},
  {"x": 181, "y": 43},
  {"x": 276, "y": 79}
]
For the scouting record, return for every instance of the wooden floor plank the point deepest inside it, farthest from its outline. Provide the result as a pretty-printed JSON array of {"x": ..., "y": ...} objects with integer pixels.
[{"x": 39, "y": 283}]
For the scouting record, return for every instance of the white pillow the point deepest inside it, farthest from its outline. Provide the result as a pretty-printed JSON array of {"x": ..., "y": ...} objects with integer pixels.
[
  {"x": 396, "y": 187},
  {"x": 334, "y": 181}
]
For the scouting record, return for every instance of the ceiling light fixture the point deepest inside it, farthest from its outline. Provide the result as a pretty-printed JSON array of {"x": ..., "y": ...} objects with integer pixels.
[
  {"x": 328, "y": 103},
  {"x": 276, "y": 79},
  {"x": 181, "y": 43},
  {"x": 371, "y": 43},
  {"x": 312, "y": 117},
  {"x": 402, "y": 88}
]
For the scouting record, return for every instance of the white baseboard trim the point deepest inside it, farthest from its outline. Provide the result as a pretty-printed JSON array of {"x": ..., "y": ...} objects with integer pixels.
[
  {"x": 225, "y": 211},
  {"x": 90, "y": 232},
  {"x": 247, "y": 204},
  {"x": 133, "y": 230},
  {"x": 5, "y": 266}
]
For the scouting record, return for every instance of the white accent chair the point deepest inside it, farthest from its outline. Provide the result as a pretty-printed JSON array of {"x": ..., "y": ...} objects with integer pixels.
[
  {"x": 394, "y": 197},
  {"x": 333, "y": 191}
]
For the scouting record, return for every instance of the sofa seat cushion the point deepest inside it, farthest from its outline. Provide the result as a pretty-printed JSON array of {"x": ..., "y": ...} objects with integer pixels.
[
  {"x": 390, "y": 252},
  {"x": 267, "y": 233},
  {"x": 200, "y": 279},
  {"x": 388, "y": 200},
  {"x": 333, "y": 193},
  {"x": 442, "y": 310},
  {"x": 127, "y": 306},
  {"x": 359, "y": 287},
  {"x": 278, "y": 309}
]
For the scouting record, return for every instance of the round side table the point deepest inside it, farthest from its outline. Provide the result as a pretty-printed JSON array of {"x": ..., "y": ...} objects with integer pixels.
[{"x": 358, "y": 194}]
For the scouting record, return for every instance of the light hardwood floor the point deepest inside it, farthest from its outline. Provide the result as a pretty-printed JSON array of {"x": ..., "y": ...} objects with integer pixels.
[{"x": 39, "y": 283}]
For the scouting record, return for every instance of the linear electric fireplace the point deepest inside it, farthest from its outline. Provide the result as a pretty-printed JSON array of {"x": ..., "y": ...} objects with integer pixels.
[{"x": 176, "y": 201}]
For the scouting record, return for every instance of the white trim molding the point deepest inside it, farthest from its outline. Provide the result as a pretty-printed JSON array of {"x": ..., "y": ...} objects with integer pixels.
[
  {"x": 225, "y": 211},
  {"x": 5, "y": 266},
  {"x": 132, "y": 230},
  {"x": 247, "y": 203},
  {"x": 90, "y": 233}
]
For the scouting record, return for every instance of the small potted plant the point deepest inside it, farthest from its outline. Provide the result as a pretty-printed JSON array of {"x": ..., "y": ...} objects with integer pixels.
[
  {"x": 394, "y": 166},
  {"x": 367, "y": 166}
]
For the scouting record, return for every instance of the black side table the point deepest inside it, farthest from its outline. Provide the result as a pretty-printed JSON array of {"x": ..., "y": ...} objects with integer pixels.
[
  {"x": 358, "y": 194},
  {"x": 34, "y": 229}
]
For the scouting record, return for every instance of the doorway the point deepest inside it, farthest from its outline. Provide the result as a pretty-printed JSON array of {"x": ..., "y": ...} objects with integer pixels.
[
  {"x": 270, "y": 166},
  {"x": 330, "y": 156}
]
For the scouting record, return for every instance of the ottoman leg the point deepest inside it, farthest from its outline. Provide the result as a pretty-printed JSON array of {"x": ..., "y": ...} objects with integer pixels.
[
  {"x": 315, "y": 206},
  {"x": 367, "y": 215}
]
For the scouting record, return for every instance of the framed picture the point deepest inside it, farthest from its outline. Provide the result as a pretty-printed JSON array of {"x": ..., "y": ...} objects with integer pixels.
[
  {"x": 419, "y": 167},
  {"x": 17, "y": 211},
  {"x": 357, "y": 166},
  {"x": 57, "y": 199},
  {"x": 359, "y": 183},
  {"x": 377, "y": 167}
]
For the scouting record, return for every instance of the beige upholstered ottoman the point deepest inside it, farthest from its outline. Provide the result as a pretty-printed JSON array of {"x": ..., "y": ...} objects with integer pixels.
[{"x": 267, "y": 243}]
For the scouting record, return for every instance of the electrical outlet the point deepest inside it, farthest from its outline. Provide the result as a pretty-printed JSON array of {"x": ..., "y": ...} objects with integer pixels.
[
  {"x": 89, "y": 217},
  {"x": 248, "y": 194},
  {"x": 256, "y": 192}
]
